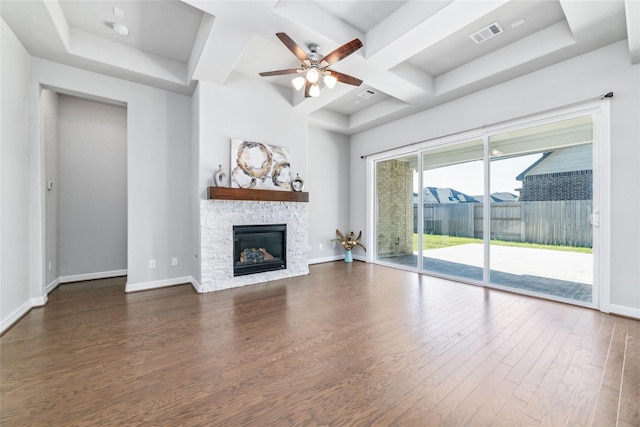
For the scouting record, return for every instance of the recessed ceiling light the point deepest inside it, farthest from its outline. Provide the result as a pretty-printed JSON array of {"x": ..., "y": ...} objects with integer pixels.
[
  {"x": 120, "y": 29},
  {"x": 517, "y": 23}
]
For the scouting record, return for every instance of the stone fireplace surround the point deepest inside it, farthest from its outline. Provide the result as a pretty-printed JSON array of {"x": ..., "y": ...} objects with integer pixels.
[{"x": 217, "y": 218}]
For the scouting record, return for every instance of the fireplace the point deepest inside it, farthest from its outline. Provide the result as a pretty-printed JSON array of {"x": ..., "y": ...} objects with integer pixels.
[
  {"x": 259, "y": 248},
  {"x": 217, "y": 218}
]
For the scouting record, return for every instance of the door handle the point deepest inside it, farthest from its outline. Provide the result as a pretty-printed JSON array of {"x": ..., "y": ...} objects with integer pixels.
[{"x": 594, "y": 219}]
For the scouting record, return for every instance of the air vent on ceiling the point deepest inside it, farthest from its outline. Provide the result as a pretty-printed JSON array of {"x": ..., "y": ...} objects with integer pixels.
[
  {"x": 366, "y": 94},
  {"x": 486, "y": 33}
]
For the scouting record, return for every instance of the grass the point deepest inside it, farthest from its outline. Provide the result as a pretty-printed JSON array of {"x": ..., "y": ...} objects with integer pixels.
[{"x": 436, "y": 241}]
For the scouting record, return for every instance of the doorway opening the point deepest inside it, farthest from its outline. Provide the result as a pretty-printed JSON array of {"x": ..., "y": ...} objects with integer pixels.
[{"x": 85, "y": 144}]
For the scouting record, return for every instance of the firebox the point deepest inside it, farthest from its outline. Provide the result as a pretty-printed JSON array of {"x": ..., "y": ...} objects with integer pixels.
[{"x": 259, "y": 248}]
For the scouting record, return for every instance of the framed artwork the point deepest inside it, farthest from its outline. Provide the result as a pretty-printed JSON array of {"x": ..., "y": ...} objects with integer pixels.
[{"x": 259, "y": 166}]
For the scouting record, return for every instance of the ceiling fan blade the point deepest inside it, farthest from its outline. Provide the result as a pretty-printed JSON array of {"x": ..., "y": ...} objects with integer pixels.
[
  {"x": 343, "y": 51},
  {"x": 345, "y": 78},
  {"x": 307, "y": 88},
  {"x": 293, "y": 47},
  {"x": 280, "y": 72}
]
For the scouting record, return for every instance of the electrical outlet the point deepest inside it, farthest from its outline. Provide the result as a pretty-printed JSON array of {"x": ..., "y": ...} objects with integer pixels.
[
  {"x": 152, "y": 263},
  {"x": 174, "y": 261},
  {"x": 49, "y": 265},
  {"x": 320, "y": 246}
]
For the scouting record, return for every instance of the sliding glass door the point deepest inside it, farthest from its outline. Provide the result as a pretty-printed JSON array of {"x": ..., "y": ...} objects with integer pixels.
[
  {"x": 510, "y": 209},
  {"x": 397, "y": 181},
  {"x": 542, "y": 240},
  {"x": 452, "y": 192}
]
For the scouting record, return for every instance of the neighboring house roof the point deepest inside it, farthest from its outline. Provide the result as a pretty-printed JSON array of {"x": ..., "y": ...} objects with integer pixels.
[
  {"x": 530, "y": 168},
  {"x": 570, "y": 159},
  {"x": 503, "y": 196},
  {"x": 444, "y": 195},
  {"x": 498, "y": 197}
]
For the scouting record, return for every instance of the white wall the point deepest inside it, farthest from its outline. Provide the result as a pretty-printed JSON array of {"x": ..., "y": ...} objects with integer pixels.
[
  {"x": 328, "y": 186},
  {"x": 15, "y": 295},
  {"x": 92, "y": 187},
  {"x": 574, "y": 80},
  {"x": 195, "y": 190},
  {"x": 49, "y": 108},
  {"x": 247, "y": 109}
]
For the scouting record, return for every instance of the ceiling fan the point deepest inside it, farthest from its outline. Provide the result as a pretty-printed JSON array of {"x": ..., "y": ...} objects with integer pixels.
[{"x": 314, "y": 66}]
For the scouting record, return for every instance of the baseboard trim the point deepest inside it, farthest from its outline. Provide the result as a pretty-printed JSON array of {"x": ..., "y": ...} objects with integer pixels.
[
  {"x": 13, "y": 318},
  {"x": 22, "y": 311},
  {"x": 325, "y": 259},
  {"x": 196, "y": 286},
  {"x": 624, "y": 311},
  {"x": 92, "y": 276},
  {"x": 52, "y": 286},
  {"x": 156, "y": 284},
  {"x": 39, "y": 301}
]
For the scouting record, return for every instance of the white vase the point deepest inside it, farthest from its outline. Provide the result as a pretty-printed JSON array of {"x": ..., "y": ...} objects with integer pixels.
[{"x": 220, "y": 177}]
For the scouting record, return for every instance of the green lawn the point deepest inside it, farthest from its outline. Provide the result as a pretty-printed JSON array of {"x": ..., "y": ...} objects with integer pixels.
[{"x": 435, "y": 241}]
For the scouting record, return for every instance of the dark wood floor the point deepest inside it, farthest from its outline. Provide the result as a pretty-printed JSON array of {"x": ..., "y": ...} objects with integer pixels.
[{"x": 350, "y": 344}]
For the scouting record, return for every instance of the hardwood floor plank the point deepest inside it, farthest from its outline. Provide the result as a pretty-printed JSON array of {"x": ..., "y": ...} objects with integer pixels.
[
  {"x": 612, "y": 377},
  {"x": 629, "y": 409},
  {"x": 349, "y": 344},
  {"x": 600, "y": 348},
  {"x": 549, "y": 392},
  {"x": 488, "y": 411},
  {"x": 558, "y": 410},
  {"x": 510, "y": 413},
  {"x": 468, "y": 405},
  {"x": 533, "y": 351},
  {"x": 540, "y": 366},
  {"x": 521, "y": 339},
  {"x": 606, "y": 411},
  {"x": 585, "y": 399}
]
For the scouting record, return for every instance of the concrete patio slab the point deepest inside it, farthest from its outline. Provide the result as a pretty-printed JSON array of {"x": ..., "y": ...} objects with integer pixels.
[
  {"x": 566, "y": 275},
  {"x": 568, "y": 266}
]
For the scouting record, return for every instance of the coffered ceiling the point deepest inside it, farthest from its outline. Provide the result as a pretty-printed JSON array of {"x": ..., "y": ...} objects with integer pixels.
[{"x": 416, "y": 54}]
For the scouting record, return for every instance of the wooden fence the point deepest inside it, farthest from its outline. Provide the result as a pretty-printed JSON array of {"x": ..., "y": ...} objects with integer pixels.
[{"x": 557, "y": 222}]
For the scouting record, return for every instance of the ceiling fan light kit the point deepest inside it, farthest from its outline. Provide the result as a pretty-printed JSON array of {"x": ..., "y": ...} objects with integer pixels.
[
  {"x": 315, "y": 66},
  {"x": 298, "y": 82},
  {"x": 329, "y": 80},
  {"x": 313, "y": 75}
]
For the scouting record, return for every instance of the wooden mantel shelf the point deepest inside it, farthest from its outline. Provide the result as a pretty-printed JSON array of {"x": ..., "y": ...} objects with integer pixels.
[{"x": 225, "y": 193}]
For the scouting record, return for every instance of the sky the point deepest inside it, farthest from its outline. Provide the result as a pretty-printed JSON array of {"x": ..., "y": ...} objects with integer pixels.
[{"x": 468, "y": 177}]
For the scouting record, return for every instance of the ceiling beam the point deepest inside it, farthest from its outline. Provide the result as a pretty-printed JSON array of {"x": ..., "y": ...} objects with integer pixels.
[
  {"x": 632, "y": 13},
  {"x": 59, "y": 21}
]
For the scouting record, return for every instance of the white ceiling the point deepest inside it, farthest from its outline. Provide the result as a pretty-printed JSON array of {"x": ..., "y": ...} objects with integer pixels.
[
  {"x": 416, "y": 54},
  {"x": 164, "y": 28}
]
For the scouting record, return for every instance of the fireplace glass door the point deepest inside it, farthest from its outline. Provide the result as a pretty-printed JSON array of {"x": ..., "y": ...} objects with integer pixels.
[{"x": 259, "y": 248}]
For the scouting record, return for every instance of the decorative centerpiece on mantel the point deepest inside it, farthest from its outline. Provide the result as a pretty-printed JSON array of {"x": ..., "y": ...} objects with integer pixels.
[
  {"x": 348, "y": 243},
  {"x": 259, "y": 172}
]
